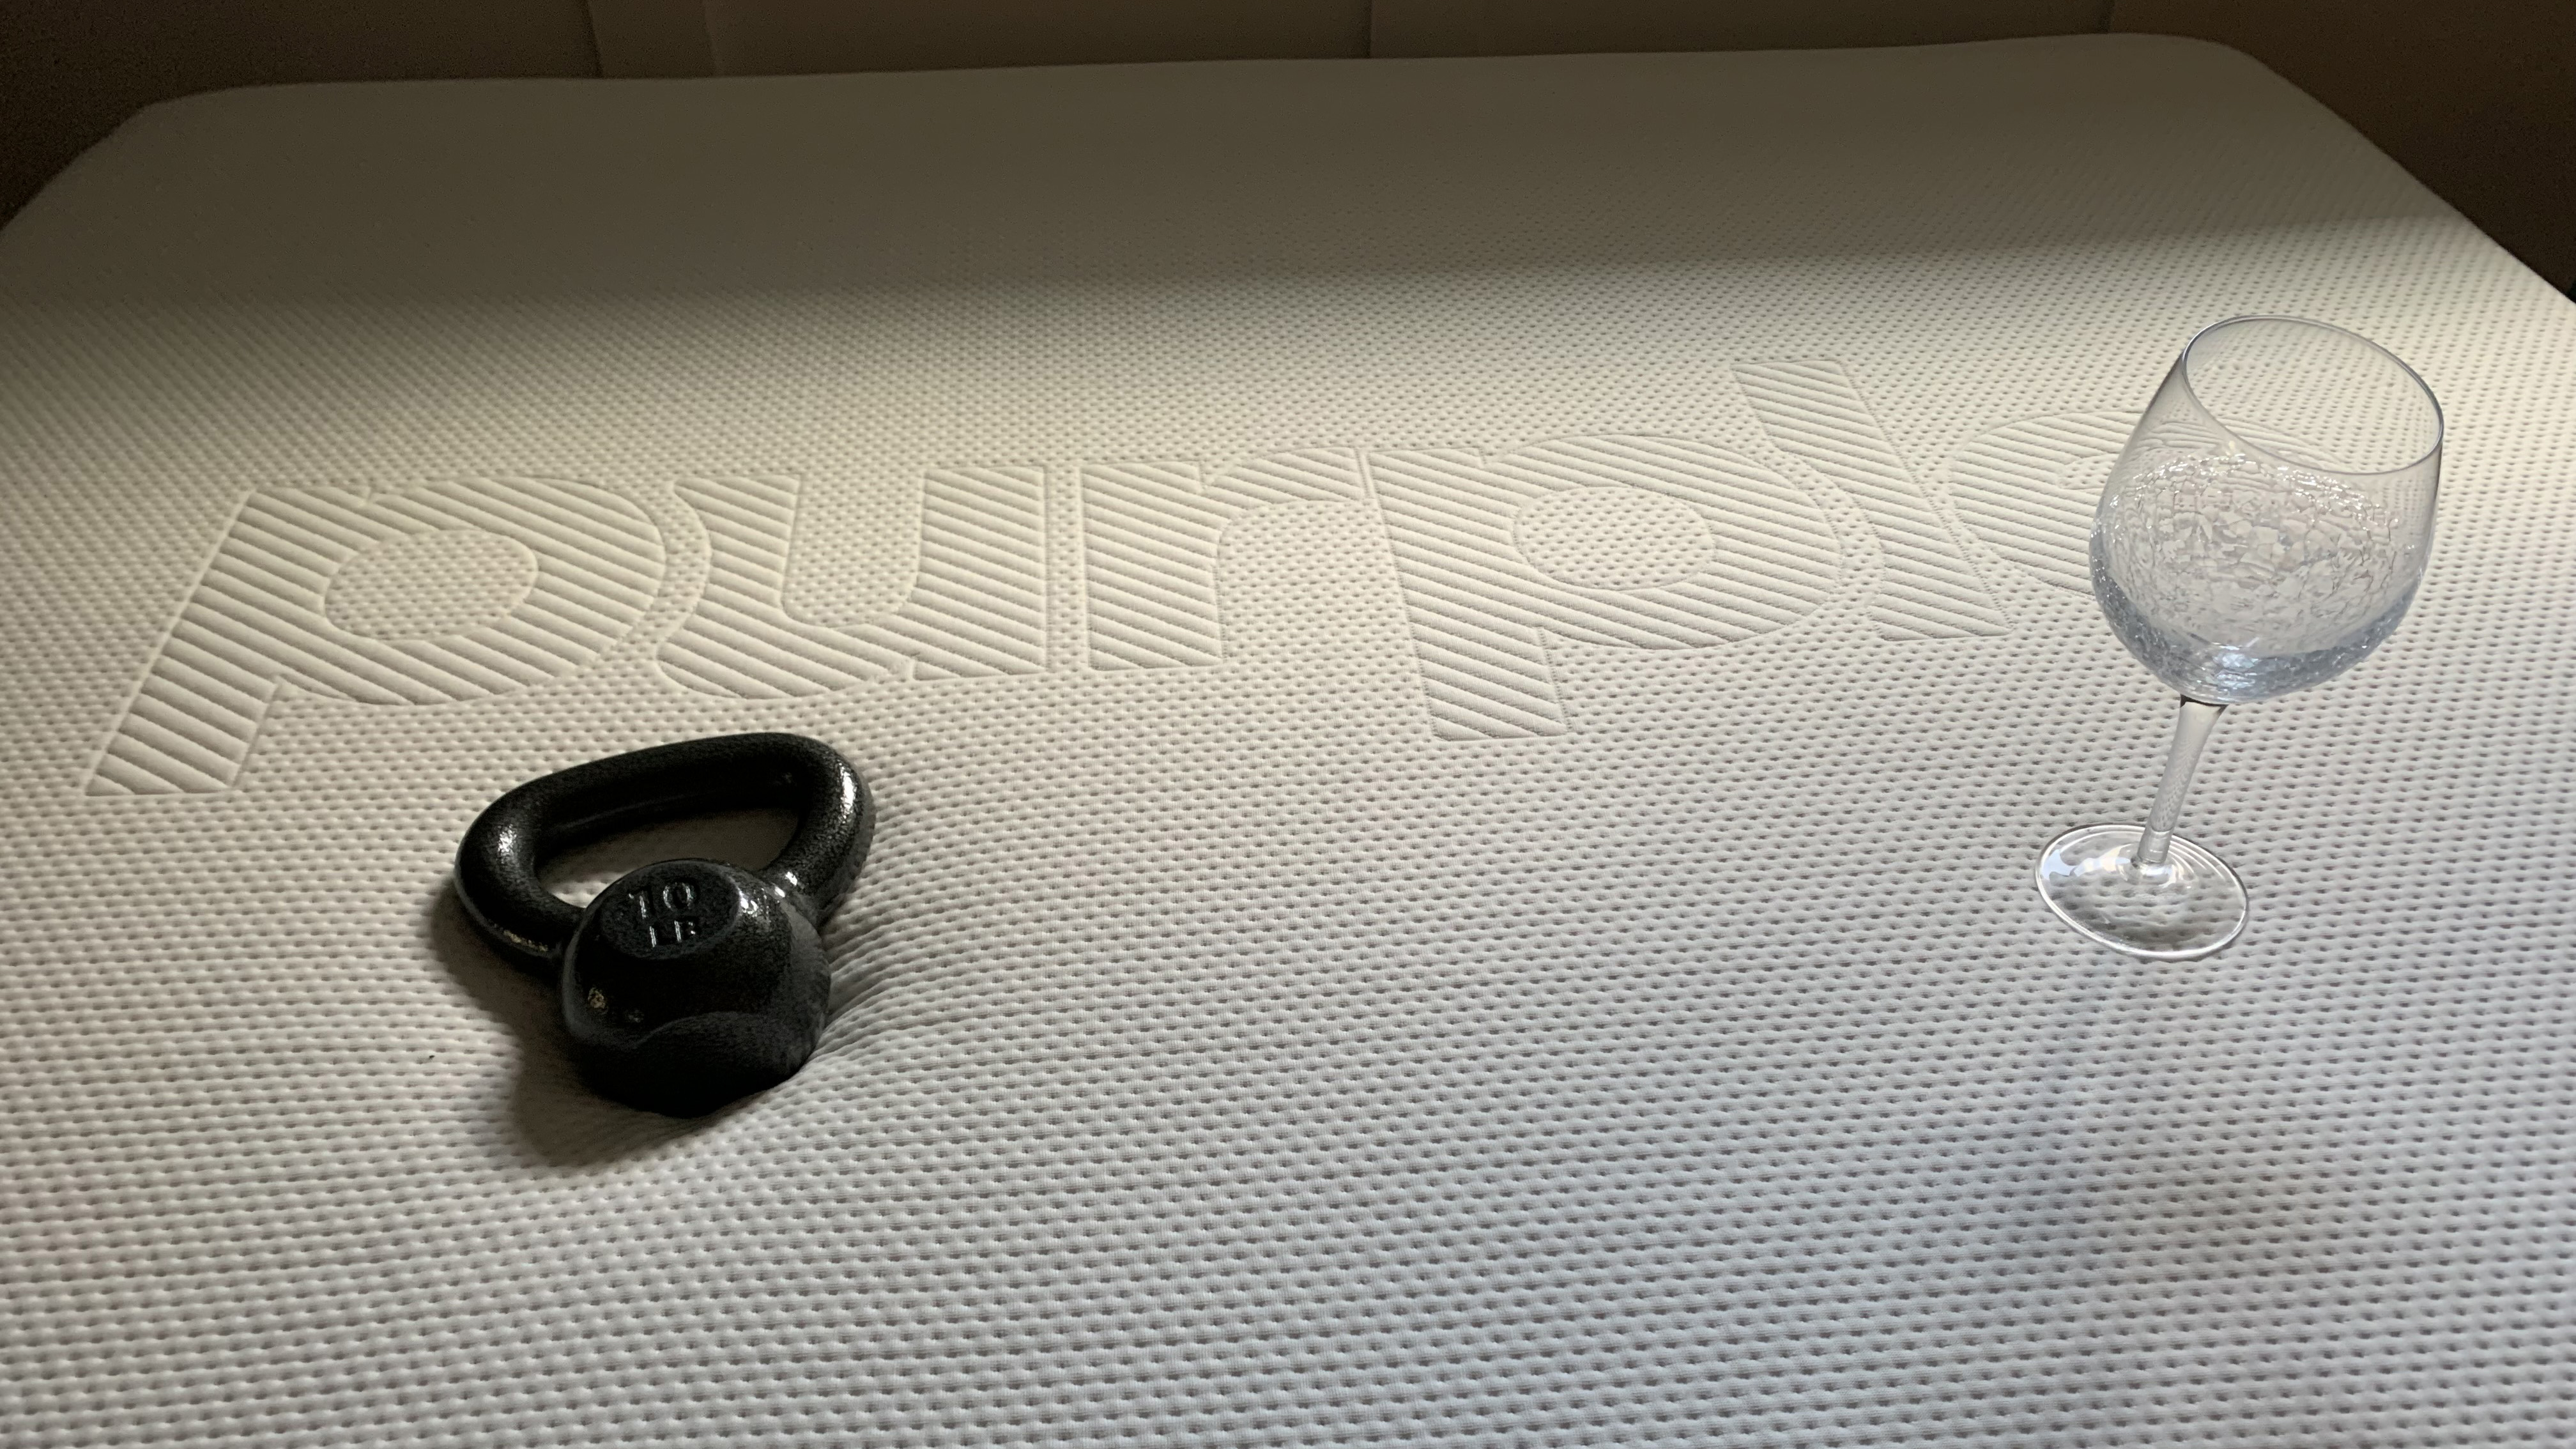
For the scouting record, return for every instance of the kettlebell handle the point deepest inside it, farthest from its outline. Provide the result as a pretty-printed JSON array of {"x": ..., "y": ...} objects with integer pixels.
[{"x": 498, "y": 861}]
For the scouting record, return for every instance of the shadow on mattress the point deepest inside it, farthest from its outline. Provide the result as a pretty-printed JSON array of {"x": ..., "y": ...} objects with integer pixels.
[{"x": 1216, "y": 174}]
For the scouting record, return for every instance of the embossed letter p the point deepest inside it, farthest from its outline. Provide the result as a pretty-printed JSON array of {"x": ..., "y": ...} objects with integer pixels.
[
  {"x": 1648, "y": 543},
  {"x": 450, "y": 591}
]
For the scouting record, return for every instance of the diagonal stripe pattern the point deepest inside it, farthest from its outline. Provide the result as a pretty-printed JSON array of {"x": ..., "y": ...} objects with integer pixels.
[
  {"x": 2023, "y": 489},
  {"x": 1927, "y": 588},
  {"x": 256, "y": 620},
  {"x": 1481, "y": 611},
  {"x": 976, "y": 610},
  {"x": 1150, "y": 534}
]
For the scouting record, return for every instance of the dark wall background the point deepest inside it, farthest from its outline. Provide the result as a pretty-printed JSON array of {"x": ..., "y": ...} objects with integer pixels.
[
  {"x": 70, "y": 70},
  {"x": 2476, "y": 97}
]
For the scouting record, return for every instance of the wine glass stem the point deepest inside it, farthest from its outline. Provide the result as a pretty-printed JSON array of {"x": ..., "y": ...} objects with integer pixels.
[{"x": 2191, "y": 732}]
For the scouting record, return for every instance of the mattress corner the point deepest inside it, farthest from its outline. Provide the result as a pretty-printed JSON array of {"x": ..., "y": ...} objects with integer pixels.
[{"x": 2215, "y": 54}]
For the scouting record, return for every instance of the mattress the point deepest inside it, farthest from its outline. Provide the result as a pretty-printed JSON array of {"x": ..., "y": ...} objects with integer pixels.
[{"x": 1462, "y": 664}]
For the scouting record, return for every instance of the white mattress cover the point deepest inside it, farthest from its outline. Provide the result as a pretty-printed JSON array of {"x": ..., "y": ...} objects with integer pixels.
[{"x": 1464, "y": 663}]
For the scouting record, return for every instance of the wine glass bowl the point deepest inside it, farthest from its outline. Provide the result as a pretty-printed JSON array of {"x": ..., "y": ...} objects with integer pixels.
[
  {"x": 2264, "y": 530},
  {"x": 2254, "y": 538}
]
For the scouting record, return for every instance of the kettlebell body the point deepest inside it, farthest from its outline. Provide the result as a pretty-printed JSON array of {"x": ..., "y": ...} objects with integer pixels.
[{"x": 687, "y": 984}]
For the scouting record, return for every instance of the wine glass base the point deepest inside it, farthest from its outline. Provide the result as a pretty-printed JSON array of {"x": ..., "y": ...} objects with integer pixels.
[{"x": 2190, "y": 907}]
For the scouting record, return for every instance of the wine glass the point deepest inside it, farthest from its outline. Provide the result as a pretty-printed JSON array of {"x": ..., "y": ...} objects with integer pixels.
[{"x": 2263, "y": 531}]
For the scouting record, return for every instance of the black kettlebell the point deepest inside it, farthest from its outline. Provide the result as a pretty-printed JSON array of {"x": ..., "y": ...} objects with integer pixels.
[{"x": 687, "y": 983}]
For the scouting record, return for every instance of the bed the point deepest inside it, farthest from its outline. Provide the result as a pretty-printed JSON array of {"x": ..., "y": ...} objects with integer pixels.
[{"x": 1462, "y": 663}]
